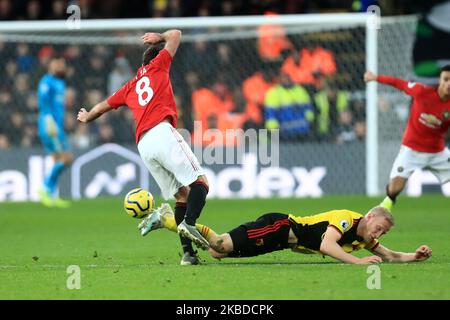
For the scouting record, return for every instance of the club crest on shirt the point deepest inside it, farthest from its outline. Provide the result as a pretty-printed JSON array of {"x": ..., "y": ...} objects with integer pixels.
[
  {"x": 344, "y": 224},
  {"x": 446, "y": 114}
]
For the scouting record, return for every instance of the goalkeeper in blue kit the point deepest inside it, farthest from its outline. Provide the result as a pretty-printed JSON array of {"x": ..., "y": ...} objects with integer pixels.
[{"x": 50, "y": 94}]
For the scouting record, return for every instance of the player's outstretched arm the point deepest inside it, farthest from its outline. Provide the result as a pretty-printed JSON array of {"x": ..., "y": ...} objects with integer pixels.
[
  {"x": 422, "y": 253},
  {"x": 409, "y": 88},
  {"x": 172, "y": 38},
  {"x": 88, "y": 116},
  {"x": 330, "y": 247}
]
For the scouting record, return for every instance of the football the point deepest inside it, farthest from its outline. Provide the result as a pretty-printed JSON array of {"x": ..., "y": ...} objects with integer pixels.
[{"x": 139, "y": 203}]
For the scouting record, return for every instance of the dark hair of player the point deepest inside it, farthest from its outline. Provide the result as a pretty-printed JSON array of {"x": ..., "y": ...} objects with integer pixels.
[
  {"x": 445, "y": 68},
  {"x": 151, "y": 52}
]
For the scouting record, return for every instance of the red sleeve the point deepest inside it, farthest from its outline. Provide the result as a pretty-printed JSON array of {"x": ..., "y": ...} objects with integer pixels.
[
  {"x": 410, "y": 88},
  {"x": 162, "y": 60},
  {"x": 118, "y": 98}
]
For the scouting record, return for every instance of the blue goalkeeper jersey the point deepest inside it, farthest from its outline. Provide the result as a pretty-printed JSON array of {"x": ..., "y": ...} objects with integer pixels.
[{"x": 51, "y": 99}]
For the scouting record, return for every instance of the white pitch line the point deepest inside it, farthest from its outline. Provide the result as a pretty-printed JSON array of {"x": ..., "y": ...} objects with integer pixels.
[{"x": 56, "y": 266}]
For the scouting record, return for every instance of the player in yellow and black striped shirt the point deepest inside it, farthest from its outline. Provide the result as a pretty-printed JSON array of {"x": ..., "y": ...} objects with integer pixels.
[{"x": 335, "y": 233}]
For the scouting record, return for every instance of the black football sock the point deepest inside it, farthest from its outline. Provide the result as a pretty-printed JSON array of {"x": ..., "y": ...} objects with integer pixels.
[
  {"x": 180, "y": 212},
  {"x": 195, "y": 202},
  {"x": 391, "y": 196}
]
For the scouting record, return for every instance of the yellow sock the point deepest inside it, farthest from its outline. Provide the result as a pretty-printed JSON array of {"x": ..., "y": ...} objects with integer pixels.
[
  {"x": 169, "y": 223},
  {"x": 205, "y": 231},
  {"x": 387, "y": 203}
]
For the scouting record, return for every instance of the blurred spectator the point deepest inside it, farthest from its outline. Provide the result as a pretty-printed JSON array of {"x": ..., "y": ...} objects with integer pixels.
[
  {"x": 5, "y": 101},
  {"x": 299, "y": 72},
  {"x": 81, "y": 138},
  {"x": 4, "y": 142},
  {"x": 303, "y": 65},
  {"x": 272, "y": 40},
  {"x": 254, "y": 91},
  {"x": 44, "y": 55},
  {"x": 31, "y": 104},
  {"x": 3, "y": 51},
  {"x": 229, "y": 7},
  {"x": 174, "y": 9},
  {"x": 75, "y": 66},
  {"x": 29, "y": 138},
  {"x": 345, "y": 131},
  {"x": 360, "y": 130},
  {"x": 329, "y": 103},
  {"x": 86, "y": 8},
  {"x": 70, "y": 100},
  {"x": 288, "y": 107},
  {"x": 70, "y": 123},
  {"x": 105, "y": 134},
  {"x": 201, "y": 52},
  {"x": 25, "y": 60},
  {"x": 119, "y": 75},
  {"x": 159, "y": 7},
  {"x": 58, "y": 10},
  {"x": 6, "y": 12},
  {"x": 363, "y": 5},
  {"x": 95, "y": 79},
  {"x": 318, "y": 59},
  {"x": 102, "y": 52},
  {"x": 359, "y": 109},
  {"x": 15, "y": 130},
  {"x": 92, "y": 96},
  {"x": 226, "y": 64},
  {"x": 33, "y": 11},
  {"x": 21, "y": 91},
  {"x": 10, "y": 73},
  {"x": 217, "y": 100}
]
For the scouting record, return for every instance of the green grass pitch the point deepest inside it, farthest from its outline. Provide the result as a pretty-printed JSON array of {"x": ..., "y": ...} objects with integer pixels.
[{"x": 38, "y": 244}]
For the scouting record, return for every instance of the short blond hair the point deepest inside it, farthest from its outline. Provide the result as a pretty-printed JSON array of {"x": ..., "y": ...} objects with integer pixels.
[{"x": 381, "y": 211}]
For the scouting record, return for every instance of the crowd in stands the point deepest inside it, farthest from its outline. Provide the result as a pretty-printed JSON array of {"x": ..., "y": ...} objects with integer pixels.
[
  {"x": 222, "y": 94},
  {"x": 272, "y": 82},
  {"x": 100, "y": 9}
]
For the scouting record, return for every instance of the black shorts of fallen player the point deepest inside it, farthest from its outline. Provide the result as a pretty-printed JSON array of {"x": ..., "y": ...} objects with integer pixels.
[{"x": 268, "y": 233}]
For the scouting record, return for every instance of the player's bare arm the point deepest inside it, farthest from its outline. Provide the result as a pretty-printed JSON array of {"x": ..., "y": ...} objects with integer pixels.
[
  {"x": 172, "y": 38},
  {"x": 330, "y": 247},
  {"x": 99, "y": 109},
  {"x": 422, "y": 253}
]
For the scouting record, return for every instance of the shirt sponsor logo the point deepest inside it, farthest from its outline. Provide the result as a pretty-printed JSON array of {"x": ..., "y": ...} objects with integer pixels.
[{"x": 430, "y": 120}]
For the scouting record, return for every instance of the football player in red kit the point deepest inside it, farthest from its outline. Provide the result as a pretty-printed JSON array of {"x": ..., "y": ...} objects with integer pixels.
[
  {"x": 167, "y": 156},
  {"x": 423, "y": 144}
]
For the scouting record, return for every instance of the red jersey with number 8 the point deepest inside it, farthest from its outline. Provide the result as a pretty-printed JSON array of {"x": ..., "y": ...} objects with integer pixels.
[
  {"x": 149, "y": 95},
  {"x": 429, "y": 118}
]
